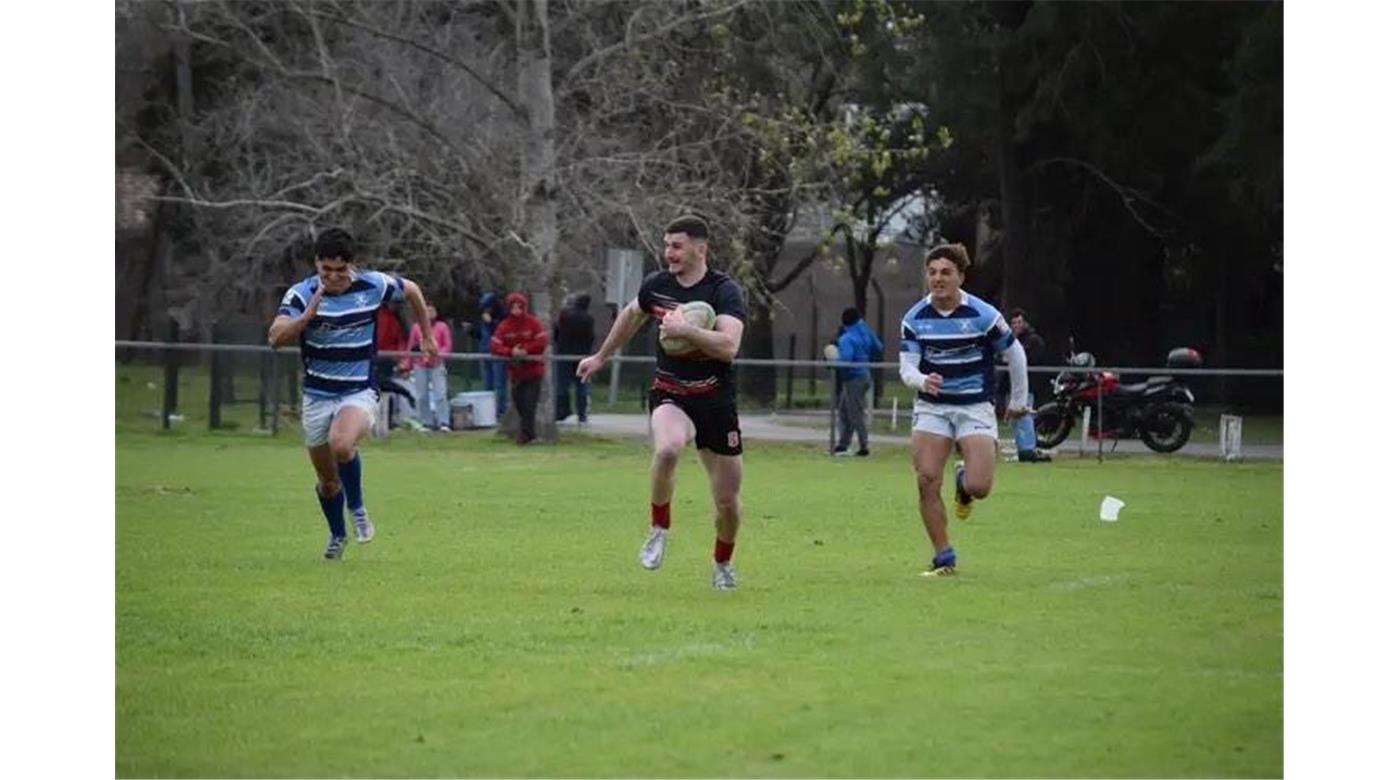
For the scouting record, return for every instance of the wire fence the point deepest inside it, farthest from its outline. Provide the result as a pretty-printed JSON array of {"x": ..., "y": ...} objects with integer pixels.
[{"x": 251, "y": 387}]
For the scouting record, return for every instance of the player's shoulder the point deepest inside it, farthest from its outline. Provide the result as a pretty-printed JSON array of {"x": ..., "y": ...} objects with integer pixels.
[
  {"x": 301, "y": 290},
  {"x": 654, "y": 280},
  {"x": 919, "y": 307},
  {"x": 722, "y": 281},
  {"x": 371, "y": 277},
  {"x": 984, "y": 310}
]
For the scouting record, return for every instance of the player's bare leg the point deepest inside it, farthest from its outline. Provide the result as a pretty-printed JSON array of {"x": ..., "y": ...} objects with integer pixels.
[
  {"x": 331, "y": 496},
  {"x": 930, "y": 455},
  {"x": 671, "y": 431},
  {"x": 350, "y": 425},
  {"x": 979, "y": 462},
  {"x": 726, "y": 476}
]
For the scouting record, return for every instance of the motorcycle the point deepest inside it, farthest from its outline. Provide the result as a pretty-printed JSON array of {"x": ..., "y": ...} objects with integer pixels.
[{"x": 1159, "y": 411}]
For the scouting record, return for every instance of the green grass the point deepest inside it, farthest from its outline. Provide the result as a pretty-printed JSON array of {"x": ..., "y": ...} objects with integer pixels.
[{"x": 500, "y": 625}]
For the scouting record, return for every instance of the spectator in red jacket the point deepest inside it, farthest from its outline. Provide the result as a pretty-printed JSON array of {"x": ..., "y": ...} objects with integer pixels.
[
  {"x": 520, "y": 336},
  {"x": 389, "y": 337}
]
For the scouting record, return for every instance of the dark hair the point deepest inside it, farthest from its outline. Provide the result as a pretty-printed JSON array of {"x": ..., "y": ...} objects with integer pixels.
[
  {"x": 1014, "y": 313},
  {"x": 956, "y": 253},
  {"x": 335, "y": 243},
  {"x": 690, "y": 225},
  {"x": 850, "y": 316}
]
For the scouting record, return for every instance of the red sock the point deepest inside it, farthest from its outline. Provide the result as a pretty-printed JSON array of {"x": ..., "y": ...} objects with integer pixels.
[
  {"x": 661, "y": 515},
  {"x": 723, "y": 550}
]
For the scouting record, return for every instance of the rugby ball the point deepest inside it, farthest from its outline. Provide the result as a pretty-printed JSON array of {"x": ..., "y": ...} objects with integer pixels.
[{"x": 697, "y": 313}]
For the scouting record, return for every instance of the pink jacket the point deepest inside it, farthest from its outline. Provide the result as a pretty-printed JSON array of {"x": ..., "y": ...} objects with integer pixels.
[{"x": 441, "y": 334}]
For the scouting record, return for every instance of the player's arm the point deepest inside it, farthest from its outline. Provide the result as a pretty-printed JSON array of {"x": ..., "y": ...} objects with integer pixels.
[
  {"x": 722, "y": 343},
  {"x": 628, "y": 322},
  {"x": 286, "y": 328},
  {"x": 1020, "y": 381},
  {"x": 909, "y": 372},
  {"x": 414, "y": 294}
]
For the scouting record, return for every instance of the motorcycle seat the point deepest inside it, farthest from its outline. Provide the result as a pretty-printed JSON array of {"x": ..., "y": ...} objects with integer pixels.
[{"x": 1140, "y": 388}]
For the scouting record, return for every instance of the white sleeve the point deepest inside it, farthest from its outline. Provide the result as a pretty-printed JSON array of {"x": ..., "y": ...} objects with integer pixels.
[
  {"x": 909, "y": 371},
  {"x": 1016, "y": 360}
]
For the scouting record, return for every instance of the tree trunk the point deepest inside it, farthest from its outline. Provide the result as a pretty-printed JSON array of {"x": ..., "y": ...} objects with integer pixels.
[
  {"x": 1018, "y": 287},
  {"x": 539, "y": 182}
]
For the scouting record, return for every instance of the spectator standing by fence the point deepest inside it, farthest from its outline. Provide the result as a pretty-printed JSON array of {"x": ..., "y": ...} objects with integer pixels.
[
  {"x": 389, "y": 337},
  {"x": 493, "y": 372},
  {"x": 573, "y": 335},
  {"x": 521, "y": 337},
  {"x": 857, "y": 343},
  {"x": 1023, "y": 427},
  {"x": 430, "y": 373}
]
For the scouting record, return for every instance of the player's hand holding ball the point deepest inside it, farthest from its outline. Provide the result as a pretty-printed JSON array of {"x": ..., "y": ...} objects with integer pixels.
[{"x": 682, "y": 321}]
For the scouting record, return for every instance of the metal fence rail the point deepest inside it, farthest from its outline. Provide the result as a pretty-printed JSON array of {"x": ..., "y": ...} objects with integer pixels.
[
  {"x": 770, "y": 362},
  {"x": 239, "y": 375}
]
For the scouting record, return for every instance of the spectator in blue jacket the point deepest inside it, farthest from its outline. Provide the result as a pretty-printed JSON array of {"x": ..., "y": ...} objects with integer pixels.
[
  {"x": 856, "y": 344},
  {"x": 493, "y": 370}
]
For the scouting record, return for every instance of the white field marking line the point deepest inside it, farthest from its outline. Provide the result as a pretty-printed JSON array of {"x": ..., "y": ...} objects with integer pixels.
[
  {"x": 695, "y": 650},
  {"x": 1096, "y": 581},
  {"x": 1150, "y": 671}
]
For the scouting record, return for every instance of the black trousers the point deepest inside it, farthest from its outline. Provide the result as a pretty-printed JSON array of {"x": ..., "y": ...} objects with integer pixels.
[{"x": 525, "y": 394}]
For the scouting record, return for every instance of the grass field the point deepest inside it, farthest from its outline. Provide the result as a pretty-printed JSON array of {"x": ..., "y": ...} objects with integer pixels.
[{"x": 500, "y": 625}]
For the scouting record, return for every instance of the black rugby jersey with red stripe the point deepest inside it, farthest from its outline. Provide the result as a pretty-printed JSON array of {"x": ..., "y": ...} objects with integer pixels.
[{"x": 697, "y": 378}]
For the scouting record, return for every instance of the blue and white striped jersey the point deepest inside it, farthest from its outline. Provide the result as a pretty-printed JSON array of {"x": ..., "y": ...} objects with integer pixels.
[
  {"x": 960, "y": 346},
  {"x": 338, "y": 347}
]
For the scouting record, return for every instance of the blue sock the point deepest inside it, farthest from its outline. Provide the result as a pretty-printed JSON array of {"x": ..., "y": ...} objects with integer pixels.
[
  {"x": 945, "y": 557},
  {"x": 350, "y": 479},
  {"x": 334, "y": 510}
]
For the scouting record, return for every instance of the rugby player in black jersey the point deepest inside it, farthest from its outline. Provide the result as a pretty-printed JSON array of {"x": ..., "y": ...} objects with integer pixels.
[{"x": 692, "y": 395}]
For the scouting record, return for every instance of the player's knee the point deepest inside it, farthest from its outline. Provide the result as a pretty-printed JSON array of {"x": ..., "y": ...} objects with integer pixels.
[
  {"x": 728, "y": 505},
  {"x": 329, "y": 487},
  {"x": 343, "y": 449},
  {"x": 977, "y": 487},
  {"x": 930, "y": 482},
  {"x": 668, "y": 453}
]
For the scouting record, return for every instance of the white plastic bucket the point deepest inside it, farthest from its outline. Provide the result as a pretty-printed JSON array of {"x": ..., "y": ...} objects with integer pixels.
[{"x": 473, "y": 410}]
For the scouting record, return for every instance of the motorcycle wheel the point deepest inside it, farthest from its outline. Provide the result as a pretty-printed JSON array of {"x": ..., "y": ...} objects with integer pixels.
[
  {"x": 1052, "y": 424},
  {"x": 1166, "y": 427}
]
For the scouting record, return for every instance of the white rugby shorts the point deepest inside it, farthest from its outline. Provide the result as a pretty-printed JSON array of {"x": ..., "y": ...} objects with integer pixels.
[
  {"x": 317, "y": 414},
  {"x": 953, "y": 421}
]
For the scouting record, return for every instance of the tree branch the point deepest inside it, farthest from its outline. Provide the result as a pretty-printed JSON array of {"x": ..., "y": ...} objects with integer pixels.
[
  {"x": 1127, "y": 195},
  {"x": 628, "y": 41},
  {"x": 515, "y": 108}
]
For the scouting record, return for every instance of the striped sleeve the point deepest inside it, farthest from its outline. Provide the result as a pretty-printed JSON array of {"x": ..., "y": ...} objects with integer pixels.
[
  {"x": 908, "y": 340},
  {"x": 292, "y": 303},
  {"x": 999, "y": 334},
  {"x": 390, "y": 285}
]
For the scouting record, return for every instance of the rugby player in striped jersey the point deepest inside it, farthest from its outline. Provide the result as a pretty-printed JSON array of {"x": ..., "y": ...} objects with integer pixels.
[
  {"x": 331, "y": 315},
  {"x": 948, "y": 345}
]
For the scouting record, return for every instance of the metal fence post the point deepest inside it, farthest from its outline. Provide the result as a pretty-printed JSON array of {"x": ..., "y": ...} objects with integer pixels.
[
  {"x": 792, "y": 355},
  {"x": 216, "y": 384},
  {"x": 172, "y": 379},
  {"x": 276, "y": 392},
  {"x": 831, "y": 417}
]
